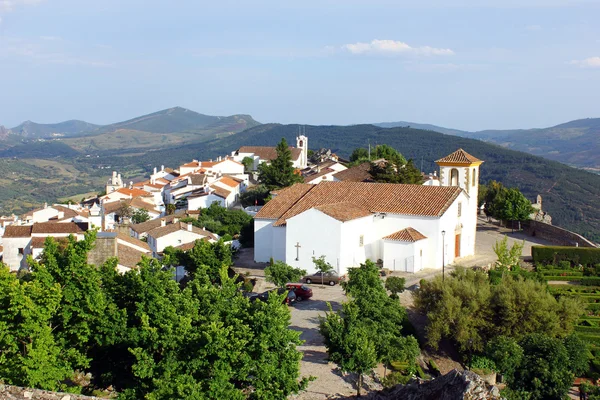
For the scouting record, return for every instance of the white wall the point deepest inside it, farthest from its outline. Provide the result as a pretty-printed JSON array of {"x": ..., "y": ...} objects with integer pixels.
[
  {"x": 352, "y": 254},
  {"x": 174, "y": 239},
  {"x": 318, "y": 234},
  {"x": 11, "y": 256},
  {"x": 278, "y": 249},
  {"x": 404, "y": 256},
  {"x": 263, "y": 239}
]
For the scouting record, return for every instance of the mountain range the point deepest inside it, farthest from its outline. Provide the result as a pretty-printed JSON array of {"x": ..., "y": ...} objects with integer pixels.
[
  {"x": 35, "y": 170},
  {"x": 575, "y": 143}
]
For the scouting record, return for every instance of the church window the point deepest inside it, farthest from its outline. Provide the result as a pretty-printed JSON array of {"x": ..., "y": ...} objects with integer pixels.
[
  {"x": 459, "y": 209},
  {"x": 361, "y": 240},
  {"x": 454, "y": 177},
  {"x": 474, "y": 177}
]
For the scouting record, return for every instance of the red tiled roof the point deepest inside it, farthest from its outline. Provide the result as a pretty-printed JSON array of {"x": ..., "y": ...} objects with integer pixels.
[
  {"x": 459, "y": 157},
  {"x": 322, "y": 172},
  {"x": 219, "y": 191},
  {"x": 181, "y": 226},
  {"x": 38, "y": 242},
  {"x": 344, "y": 211},
  {"x": 229, "y": 181},
  {"x": 129, "y": 257},
  {"x": 406, "y": 235},
  {"x": 268, "y": 153},
  {"x": 133, "y": 192},
  {"x": 67, "y": 227},
  {"x": 358, "y": 173},
  {"x": 17, "y": 231},
  {"x": 133, "y": 241},
  {"x": 375, "y": 197}
]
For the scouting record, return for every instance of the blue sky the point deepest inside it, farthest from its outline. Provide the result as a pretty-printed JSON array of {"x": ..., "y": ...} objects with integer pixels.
[{"x": 466, "y": 64}]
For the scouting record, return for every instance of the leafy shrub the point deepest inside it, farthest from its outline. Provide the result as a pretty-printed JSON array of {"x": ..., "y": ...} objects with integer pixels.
[
  {"x": 590, "y": 281},
  {"x": 420, "y": 372},
  {"x": 564, "y": 264},
  {"x": 395, "y": 378},
  {"x": 562, "y": 272},
  {"x": 593, "y": 339},
  {"x": 556, "y": 254},
  {"x": 588, "y": 329},
  {"x": 482, "y": 365}
]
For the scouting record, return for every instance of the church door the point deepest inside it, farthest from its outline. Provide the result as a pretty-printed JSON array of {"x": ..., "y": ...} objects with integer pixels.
[{"x": 457, "y": 246}]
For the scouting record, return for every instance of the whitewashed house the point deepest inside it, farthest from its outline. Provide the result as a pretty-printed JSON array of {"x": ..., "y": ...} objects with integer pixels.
[
  {"x": 407, "y": 227},
  {"x": 176, "y": 234},
  {"x": 261, "y": 154}
]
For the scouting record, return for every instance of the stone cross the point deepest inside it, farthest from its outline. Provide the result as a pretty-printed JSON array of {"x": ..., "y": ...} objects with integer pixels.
[{"x": 297, "y": 251}]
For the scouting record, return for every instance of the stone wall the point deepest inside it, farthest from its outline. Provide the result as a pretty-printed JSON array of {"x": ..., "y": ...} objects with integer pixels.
[
  {"x": 104, "y": 248},
  {"x": 556, "y": 235},
  {"x": 18, "y": 393}
]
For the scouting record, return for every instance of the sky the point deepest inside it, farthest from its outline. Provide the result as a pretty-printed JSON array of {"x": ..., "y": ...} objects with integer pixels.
[{"x": 464, "y": 64}]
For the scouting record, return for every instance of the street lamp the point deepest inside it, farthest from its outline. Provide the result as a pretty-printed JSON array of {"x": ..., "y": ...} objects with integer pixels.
[{"x": 443, "y": 259}]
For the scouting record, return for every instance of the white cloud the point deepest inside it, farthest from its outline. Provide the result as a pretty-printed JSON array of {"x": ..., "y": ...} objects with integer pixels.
[
  {"x": 393, "y": 47},
  {"x": 9, "y": 5},
  {"x": 592, "y": 62}
]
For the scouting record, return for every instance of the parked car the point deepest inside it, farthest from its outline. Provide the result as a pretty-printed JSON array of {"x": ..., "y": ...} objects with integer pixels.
[
  {"x": 331, "y": 278},
  {"x": 301, "y": 290},
  {"x": 289, "y": 299}
]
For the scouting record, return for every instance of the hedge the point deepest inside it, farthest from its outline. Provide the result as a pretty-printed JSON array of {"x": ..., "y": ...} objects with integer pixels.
[
  {"x": 554, "y": 254},
  {"x": 563, "y": 278},
  {"x": 590, "y": 338},
  {"x": 592, "y": 330},
  {"x": 561, "y": 272},
  {"x": 592, "y": 307},
  {"x": 590, "y": 281}
]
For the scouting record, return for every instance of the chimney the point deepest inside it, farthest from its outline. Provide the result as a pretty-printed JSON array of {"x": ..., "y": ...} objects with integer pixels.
[
  {"x": 163, "y": 222},
  {"x": 162, "y": 167},
  {"x": 154, "y": 171},
  {"x": 175, "y": 220},
  {"x": 189, "y": 226},
  {"x": 61, "y": 214},
  {"x": 130, "y": 184},
  {"x": 434, "y": 173}
]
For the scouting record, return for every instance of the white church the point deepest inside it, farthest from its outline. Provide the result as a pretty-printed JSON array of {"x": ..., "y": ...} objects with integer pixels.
[
  {"x": 261, "y": 154},
  {"x": 407, "y": 227}
]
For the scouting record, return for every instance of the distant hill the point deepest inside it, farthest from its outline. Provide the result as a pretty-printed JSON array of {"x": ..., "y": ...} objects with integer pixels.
[
  {"x": 427, "y": 127},
  {"x": 575, "y": 143},
  {"x": 32, "y": 130},
  {"x": 178, "y": 120}
]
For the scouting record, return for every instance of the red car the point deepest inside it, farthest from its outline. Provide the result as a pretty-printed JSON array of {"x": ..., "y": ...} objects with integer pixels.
[{"x": 301, "y": 290}]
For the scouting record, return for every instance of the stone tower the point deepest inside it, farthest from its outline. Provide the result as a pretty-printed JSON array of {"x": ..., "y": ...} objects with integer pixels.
[
  {"x": 302, "y": 143},
  {"x": 114, "y": 182}
]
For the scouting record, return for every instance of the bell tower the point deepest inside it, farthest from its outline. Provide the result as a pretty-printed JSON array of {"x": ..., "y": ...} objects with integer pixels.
[{"x": 302, "y": 143}]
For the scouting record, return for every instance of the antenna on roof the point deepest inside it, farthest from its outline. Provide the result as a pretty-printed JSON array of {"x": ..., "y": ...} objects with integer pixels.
[{"x": 369, "y": 149}]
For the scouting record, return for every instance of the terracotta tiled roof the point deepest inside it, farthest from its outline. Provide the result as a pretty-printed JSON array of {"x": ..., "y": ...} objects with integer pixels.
[
  {"x": 268, "y": 153},
  {"x": 38, "y": 242},
  {"x": 170, "y": 228},
  {"x": 198, "y": 179},
  {"x": 344, "y": 211},
  {"x": 133, "y": 192},
  {"x": 376, "y": 197},
  {"x": 285, "y": 199},
  {"x": 129, "y": 257},
  {"x": 189, "y": 246},
  {"x": 229, "y": 181},
  {"x": 17, "y": 231},
  {"x": 133, "y": 241},
  {"x": 322, "y": 172},
  {"x": 219, "y": 191},
  {"x": 459, "y": 157},
  {"x": 154, "y": 223},
  {"x": 358, "y": 173},
  {"x": 66, "y": 227},
  {"x": 137, "y": 202},
  {"x": 406, "y": 235},
  {"x": 67, "y": 211},
  {"x": 193, "y": 164}
]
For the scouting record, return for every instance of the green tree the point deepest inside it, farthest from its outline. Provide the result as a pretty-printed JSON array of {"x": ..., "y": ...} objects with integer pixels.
[
  {"x": 544, "y": 370},
  {"x": 579, "y": 354},
  {"x": 506, "y": 354},
  {"x": 514, "y": 206},
  {"x": 322, "y": 266},
  {"x": 280, "y": 172},
  {"x": 508, "y": 258},
  {"x": 349, "y": 342},
  {"x": 494, "y": 196},
  {"x": 171, "y": 209},
  {"x": 125, "y": 211},
  {"x": 409, "y": 174},
  {"x": 359, "y": 154},
  {"x": 29, "y": 354},
  {"x": 395, "y": 284},
  {"x": 248, "y": 164},
  {"x": 280, "y": 273},
  {"x": 140, "y": 215}
]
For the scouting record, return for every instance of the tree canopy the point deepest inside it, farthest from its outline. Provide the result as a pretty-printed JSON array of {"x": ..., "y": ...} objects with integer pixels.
[
  {"x": 280, "y": 273},
  {"x": 141, "y": 332},
  {"x": 505, "y": 204},
  {"x": 280, "y": 172}
]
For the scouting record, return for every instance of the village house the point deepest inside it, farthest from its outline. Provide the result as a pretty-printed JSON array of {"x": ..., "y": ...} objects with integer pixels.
[
  {"x": 175, "y": 234},
  {"x": 20, "y": 241},
  {"x": 111, "y": 212},
  {"x": 261, "y": 154},
  {"x": 407, "y": 227},
  {"x": 322, "y": 171},
  {"x": 129, "y": 251}
]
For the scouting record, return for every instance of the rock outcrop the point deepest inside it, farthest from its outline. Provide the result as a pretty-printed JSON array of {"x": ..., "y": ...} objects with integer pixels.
[
  {"x": 9, "y": 392},
  {"x": 455, "y": 385}
]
